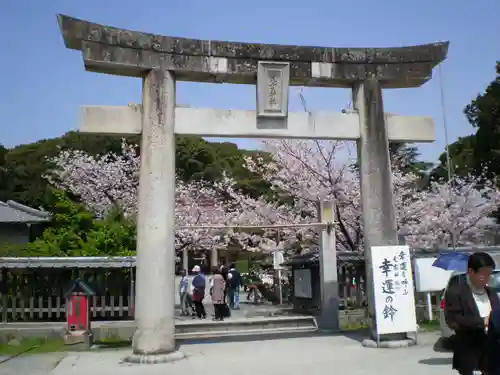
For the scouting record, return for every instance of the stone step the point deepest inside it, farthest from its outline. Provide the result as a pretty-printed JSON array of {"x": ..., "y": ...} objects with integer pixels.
[
  {"x": 258, "y": 332},
  {"x": 238, "y": 327},
  {"x": 196, "y": 329}
]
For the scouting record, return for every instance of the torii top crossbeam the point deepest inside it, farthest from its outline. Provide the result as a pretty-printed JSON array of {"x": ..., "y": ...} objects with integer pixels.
[{"x": 123, "y": 52}]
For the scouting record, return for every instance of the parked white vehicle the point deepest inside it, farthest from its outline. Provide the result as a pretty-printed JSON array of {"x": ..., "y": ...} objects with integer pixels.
[{"x": 447, "y": 333}]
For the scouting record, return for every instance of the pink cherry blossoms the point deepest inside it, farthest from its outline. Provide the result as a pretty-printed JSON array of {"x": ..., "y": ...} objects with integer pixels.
[
  {"x": 301, "y": 171},
  {"x": 113, "y": 179},
  {"x": 452, "y": 213},
  {"x": 310, "y": 170}
]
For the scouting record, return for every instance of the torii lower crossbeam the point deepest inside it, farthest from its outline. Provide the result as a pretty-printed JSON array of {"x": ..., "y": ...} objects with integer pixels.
[{"x": 210, "y": 122}]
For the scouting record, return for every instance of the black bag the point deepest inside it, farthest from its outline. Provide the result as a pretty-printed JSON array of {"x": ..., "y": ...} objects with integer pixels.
[{"x": 226, "y": 311}]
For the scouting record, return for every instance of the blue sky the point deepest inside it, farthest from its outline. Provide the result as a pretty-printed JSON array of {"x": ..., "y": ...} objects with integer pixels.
[{"x": 42, "y": 83}]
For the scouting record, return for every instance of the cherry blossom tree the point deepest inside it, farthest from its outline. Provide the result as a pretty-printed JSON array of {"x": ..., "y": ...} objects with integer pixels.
[
  {"x": 447, "y": 213},
  {"x": 307, "y": 171},
  {"x": 299, "y": 173},
  {"x": 250, "y": 212},
  {"x": 112, "y": 180},
  {"x": 454, "y": 213},
  {"x": 101, "y": 182}
]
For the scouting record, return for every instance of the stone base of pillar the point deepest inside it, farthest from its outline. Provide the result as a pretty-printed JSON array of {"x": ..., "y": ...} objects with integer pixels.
[
  {"x": 389, "y": 344},
  {"x": 154, "y": 345},
  {"x": 151, "y": 359},
  {"x": 388, "y": 341}
]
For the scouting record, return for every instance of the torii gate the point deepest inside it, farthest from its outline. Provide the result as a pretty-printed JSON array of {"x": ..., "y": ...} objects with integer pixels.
[{"x": 161, "y": 60}]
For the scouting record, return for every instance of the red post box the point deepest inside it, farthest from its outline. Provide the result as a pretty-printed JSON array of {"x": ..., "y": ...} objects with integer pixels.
[{"x": 78, "y": 328}]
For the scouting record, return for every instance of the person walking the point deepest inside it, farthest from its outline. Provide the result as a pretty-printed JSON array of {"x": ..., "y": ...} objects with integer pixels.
[
  {"x": 467, "y": 310},
  {"x": 234, "y": 287},
  {"x": 226, "y": 276},
  {"x": 183, "y": 293},
  {"x": 199, "y": 284},
  {"x": 217, "y": 294}
]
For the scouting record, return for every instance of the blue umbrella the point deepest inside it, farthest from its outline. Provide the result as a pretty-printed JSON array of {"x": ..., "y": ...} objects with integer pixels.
[{"x": 454, "y": 261}]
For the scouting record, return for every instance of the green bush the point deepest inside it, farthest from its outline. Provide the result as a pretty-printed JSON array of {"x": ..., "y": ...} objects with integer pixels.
[
  {"x": 11, "y": 249},
  {"x": 74, "y": 232}
]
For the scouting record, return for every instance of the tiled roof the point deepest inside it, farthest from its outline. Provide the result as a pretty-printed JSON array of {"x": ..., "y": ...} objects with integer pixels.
[
  {"x": 13, "y": 212},
  {"x": 67, "y": 262},
  {"x": 312, "y": 257}
]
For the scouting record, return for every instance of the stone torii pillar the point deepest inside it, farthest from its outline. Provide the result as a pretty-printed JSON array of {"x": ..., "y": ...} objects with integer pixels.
[
  {"x": 153, "y": 340},
  {"x": 160, "y": 60}
]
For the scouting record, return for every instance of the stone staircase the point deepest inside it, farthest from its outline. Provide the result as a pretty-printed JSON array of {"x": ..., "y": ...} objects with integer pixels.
[
  {"x": 185, "y": 330},
  {"x": 260, "y": 326}
]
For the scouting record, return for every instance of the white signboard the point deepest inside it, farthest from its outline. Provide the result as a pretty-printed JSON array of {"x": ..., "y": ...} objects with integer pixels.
[
  {"x": 429, "y": 278},
  {"x": 393, "y": 285},
  {"x": 302, "y": 286}
]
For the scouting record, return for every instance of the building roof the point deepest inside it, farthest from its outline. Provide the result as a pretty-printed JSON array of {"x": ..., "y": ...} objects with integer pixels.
[
  {"x": 68, "y": 262},
  {"x": 312, "y": 257},
  {"x": 79, "y": 286},
  {"x": 13, "y": 212},
  {"x": 309, "y": 258}
]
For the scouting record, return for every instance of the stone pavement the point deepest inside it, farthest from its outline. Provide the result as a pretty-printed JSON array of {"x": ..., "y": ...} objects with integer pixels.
[
  {"x": 316, "y": 355},
  {"x": 37, "y": 364},
  {"x": 247, "y": 310}
]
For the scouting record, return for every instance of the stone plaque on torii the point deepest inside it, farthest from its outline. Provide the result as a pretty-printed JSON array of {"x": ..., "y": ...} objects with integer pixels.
[{"x": 161, "y": 61}]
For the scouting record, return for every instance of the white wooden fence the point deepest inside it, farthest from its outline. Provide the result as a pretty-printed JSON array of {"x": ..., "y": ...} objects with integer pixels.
[
  {"x": 32, "y": 289},
  {"x": 54, "y": 308}
]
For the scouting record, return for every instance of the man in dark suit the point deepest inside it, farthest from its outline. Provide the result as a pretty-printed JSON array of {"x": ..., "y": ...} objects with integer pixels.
[{"x": 467, "y": 309}]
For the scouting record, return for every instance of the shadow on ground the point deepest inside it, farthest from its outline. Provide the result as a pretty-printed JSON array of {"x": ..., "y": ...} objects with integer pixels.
[
  {"x": 439, "y": 361},
  {"x": 118, "y": 344},
  {"x": 357, "y": 335}
]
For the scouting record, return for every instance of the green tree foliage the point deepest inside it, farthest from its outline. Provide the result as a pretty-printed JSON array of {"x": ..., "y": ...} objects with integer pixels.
[
  {"x": 22, "y": 168},
  {"x": 74, "y": 231},
  {"x": 3, "y": 174},
  {"x": 462, "y": 157},
  {"x": 198, "y": 159},
  {"x": 11, "y": 249},
  {"x": 408, "y": 156},
  {"x": 26, "y": 165},
  {"x": 3, "y": 152},
  {"x": 472, "y": 153},
  {"x": 484, "y": 114}
]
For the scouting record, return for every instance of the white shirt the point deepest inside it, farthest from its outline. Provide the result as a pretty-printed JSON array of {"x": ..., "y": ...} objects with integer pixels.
[
  {"x": 481, "y": 299},
  {"x": 483, "y": 304}
]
